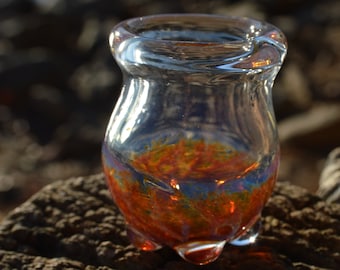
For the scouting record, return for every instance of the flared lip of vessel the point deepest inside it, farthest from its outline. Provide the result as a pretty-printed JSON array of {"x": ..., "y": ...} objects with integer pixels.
[{"x": 240, "y": 38}]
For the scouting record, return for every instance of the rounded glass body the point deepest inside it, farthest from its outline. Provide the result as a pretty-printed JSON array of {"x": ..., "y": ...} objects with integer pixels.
[{"x": 191, "y": 151}]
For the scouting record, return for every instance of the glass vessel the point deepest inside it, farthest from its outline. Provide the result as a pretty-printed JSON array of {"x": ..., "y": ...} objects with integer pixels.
[{"x": 191, "y": 151}]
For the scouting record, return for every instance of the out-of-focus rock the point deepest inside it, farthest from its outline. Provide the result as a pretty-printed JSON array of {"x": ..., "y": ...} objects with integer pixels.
[
  {"x": 96, "y": 79},
  {"x": 300, "y": 166},
  {"x": 292, "y": 93},
  {"x": 79, "y": 8},
  {"x": 19, "y": 70},
  {"x": 40, "y": 30},
  {"x": 243, "y": 9},
  {"x": 19, "y": 6},
  {"x": 325, "y": 72},
  {"x": 329, "y": 184},
  {"x": 317, "y": 128}
]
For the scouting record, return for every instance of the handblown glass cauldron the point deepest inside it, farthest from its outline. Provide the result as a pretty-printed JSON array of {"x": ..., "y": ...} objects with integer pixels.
[{"x": 191, "y": 151}]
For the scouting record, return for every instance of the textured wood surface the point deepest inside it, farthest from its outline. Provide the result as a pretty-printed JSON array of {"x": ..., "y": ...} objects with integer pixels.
[{"x": 73, "y": 224}]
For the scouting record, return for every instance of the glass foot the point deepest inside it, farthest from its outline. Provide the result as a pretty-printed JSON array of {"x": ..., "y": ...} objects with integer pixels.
[
  {"x": 140, "y": 241},
  {"x": 200, "y": 252},
  {"x": 249, "y": 236}
]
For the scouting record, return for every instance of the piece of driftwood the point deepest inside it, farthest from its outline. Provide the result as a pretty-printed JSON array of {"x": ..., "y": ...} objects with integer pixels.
[{"x": 73, "y": 224}]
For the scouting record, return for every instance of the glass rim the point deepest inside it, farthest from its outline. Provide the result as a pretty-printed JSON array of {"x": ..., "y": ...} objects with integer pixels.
[
  {"x": 136, "y": 26},
  {"x": 199, "y": 40}
]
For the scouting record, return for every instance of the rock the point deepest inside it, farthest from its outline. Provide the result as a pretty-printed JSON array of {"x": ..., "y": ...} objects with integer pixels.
[
  {"x": 31, "y": 67},
  {"x": 300, "y": 167},
  {"x": 317, "y": 128},
  {"x": 59, "y": 82},
  {"x": 19, "y": 5},
  {"x": 291, "y": 94},
  {"x": 79, "y": 8},
  {"x": 74, "y": 224},
  {"x": 281, "y": 6},
  {"x": 243, "y": 9},
  {"x": 329, "y": 183}
]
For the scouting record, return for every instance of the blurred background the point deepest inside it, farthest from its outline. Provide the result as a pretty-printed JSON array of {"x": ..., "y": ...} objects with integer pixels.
[{"x": 59, "y": 83}]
